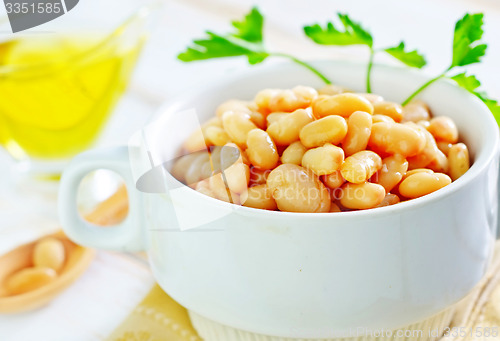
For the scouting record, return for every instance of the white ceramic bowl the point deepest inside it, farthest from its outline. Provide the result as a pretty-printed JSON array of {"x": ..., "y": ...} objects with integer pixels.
[{"x": 302, "y": 274}]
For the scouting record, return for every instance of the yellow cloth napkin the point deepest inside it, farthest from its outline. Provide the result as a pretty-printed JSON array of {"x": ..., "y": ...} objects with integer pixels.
[{"x": 159, "y": 318}]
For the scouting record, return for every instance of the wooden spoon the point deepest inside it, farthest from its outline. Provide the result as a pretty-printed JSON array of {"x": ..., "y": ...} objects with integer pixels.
[{"x": 78, "y": 259}]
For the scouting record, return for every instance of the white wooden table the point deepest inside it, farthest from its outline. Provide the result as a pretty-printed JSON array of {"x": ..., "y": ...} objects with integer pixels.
[{"x": 115, "y": 283}]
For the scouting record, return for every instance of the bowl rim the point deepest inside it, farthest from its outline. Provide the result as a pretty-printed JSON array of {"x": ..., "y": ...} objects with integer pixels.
[{"x": 170, "y": 107}]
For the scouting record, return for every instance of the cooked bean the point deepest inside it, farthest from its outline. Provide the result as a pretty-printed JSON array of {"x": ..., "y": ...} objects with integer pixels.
[
  {"x": 237, "y": 125},
  {"x": 424, "y": 124},
  {"x": 416, "y": 111},
  {"x": 419, "y": 161},
  {"x": 215, "y": 157},
  {"x": 218, "y": 186},
  {"x": 216, "y": 136},
  {"x": 206, "y": 171},
  {"x": 228, "y": 155},
  {"x": 372, "y": 98},
  {"x": 275, "y": 117},
  {"x": 443, "y": 129},
  {"x": 221, "y": 191},
  {"x": 323, "y": 160},
  {"x": 331, "y": 129},
  {"x": 285, "y": 100},
  {"x": 196, "y": 142},
  {"x": 238, "y": 153},
  {"x": 417, "y": 170},
  {"x": 181, "y": 165},
  {"x": 299, "y": 97},
  {"x": 458, "y": 158},
  {"x": 305, "y": 92},
  {"x": 420, "y": 184},
  {"x": 359, "y": 167},
  {"x": 393, "y": 169},
  {"x": 389, "y": 199},
  {"x": 259, "y": 119},
  {"x": 49, "y": 253},
  {"x": 296, "y": 189},
  {"x": 258, "y": 176},
  {"x": 391, "y": 109},
  {"x": 334, "y": 208},
  {"x": 287, "y": 129},
  {"x": 29, "y": 279},
  {"x": 342, "y": 104},
  {"x": 232, "y": 105},
  {"x": 395, "y": 138},
  {"x": 263, "y": 98},
  {"x": 237, "y": 177},
  {"x": 439, "y": 163},
  {"x": 331, "y": 89},
  {"x": 203, "y": 187},
  {"x": 194, "y": 171},
  {"x": 382, "y": 118},
  {"x": 333, "y": 180},
  {"x": 361, "y": 196},
  {"x": 261, "y": 149},
  {"x": 325, "y": 201},
  {"x": 260, "y": 197},
  {"x": 430, "y": 157},
  {"x": 428, "y": 153},
  {"x": 244, "y": 158},
  {"x": 444, "y": 147},
  {"x": 359, "y": 127},
  {"x": 213, "y": 122},
  {"x": 294, "y": 153}
]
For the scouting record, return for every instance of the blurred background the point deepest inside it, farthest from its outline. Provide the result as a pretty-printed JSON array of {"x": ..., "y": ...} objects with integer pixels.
[{"x": 115, "y": 283}]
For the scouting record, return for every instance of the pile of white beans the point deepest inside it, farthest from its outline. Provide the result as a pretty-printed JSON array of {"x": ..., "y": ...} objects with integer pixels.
[{"x": 303, "y": 150}]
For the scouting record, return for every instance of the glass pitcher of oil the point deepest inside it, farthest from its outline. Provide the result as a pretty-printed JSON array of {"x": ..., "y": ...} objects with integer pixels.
[{"x": 58, "y": 89}]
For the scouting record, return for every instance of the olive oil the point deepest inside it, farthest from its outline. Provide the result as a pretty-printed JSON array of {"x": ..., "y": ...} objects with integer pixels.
[{"x": 56, "y": 93}]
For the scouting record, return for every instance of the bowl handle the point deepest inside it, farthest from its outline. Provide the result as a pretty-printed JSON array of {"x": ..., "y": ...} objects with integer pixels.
[{"x": 126, "y": 236}]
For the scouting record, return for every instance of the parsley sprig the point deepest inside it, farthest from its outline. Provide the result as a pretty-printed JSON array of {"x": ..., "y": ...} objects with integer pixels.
[
  {"x": 247, "y": 40},
  {"x": 352, "y": 33},
  {"x": 467, "y": 49},
  {"x": 472, "y": 84}
]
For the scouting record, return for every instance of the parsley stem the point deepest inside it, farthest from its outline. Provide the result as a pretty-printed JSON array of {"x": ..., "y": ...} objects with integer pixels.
[
  {"x": 304, "y": 64},
  {"x": 369, "y": 71},
  {"x": 422, "y": 88}
]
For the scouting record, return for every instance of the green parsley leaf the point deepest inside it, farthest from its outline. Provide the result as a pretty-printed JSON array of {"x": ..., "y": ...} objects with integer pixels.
[
  {"x": 247, "y": 41},
  {"x": 351, "y": 34},
  {"x": 468, "y": 31},
  {"x": 250, "y": 28},
  {"x": 493, "y": 105},
  {"x": 471, "y": 84},
  {"x": 213, "y": 47},
  {"x": 410, "y": 58}
]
